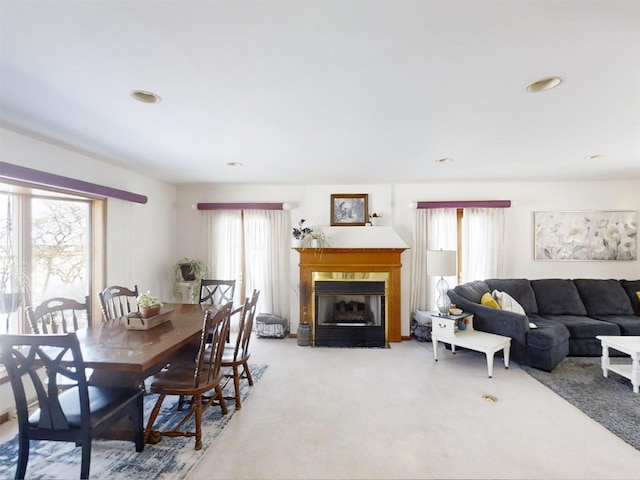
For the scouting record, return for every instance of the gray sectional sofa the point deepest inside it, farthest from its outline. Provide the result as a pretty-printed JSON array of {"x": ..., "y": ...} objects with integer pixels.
[{"x": 567, "y": 315}]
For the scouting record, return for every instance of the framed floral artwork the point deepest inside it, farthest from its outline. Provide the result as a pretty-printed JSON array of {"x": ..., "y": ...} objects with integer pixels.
[
  {"x": 349, "y": 209},
  {"x": 606, "y": 235}
]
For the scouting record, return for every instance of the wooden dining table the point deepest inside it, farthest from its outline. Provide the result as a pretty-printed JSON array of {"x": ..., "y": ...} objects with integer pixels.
[{"x": 122, "y": 356}]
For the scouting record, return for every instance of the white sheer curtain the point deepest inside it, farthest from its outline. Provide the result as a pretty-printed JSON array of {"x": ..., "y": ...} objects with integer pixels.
[
  {"x": 251, "y": 247},
  {"x": 482, "y": 243},
  {"x": 267, "y": 247},
  {"x": 435, "y": 228}
]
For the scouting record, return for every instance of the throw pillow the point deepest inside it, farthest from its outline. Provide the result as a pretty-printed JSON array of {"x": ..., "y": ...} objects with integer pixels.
[
  {"x": 488, "y": 301},
  {"x": 507, "y": 302},
  {"x": 638, "y": 295}
]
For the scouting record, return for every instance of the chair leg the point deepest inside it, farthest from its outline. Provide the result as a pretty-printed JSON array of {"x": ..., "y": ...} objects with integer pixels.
[
  {"x": 149, "y": 435},
  {"x": 23, "y": 456},
  {"x": 236, "y": 386},
  {"x": 220, "y": 397},
  {"x": 247, "y": 373},
  {"x": 198, "y": 419},
  {"x": 86, "y": 458}
]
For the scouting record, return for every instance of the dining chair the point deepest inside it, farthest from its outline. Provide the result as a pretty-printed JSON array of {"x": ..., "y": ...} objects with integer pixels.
[
  {"x": 192, "y": 379},
  {"x": 216, "y": 292},
  {"x": 78, "y": 414},
  {"x": 116, "y": 301},
  {"x": 59, "y": 315},
  {"x": 236, "y": 356}
]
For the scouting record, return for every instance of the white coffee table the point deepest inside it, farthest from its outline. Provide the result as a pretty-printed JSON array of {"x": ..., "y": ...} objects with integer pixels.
[
  {"x": 626, "y": 344},
  {"x": 445, "y": 330}
]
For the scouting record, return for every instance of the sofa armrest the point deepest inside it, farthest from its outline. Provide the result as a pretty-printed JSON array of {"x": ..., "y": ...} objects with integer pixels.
[{"x": 493, "y": 320}]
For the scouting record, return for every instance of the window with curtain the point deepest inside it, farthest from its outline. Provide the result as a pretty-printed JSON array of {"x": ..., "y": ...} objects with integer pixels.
[
  {"x": 252, "y": 247},
  {"x": 477, "y": 234}
]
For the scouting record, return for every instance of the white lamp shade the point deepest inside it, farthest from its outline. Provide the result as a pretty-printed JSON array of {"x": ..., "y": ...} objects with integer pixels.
[{"x": 441, "y": 263}]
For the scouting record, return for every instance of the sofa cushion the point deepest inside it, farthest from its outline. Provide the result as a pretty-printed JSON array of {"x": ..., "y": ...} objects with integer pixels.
[
  {"x": 488, "y": 301},
  {"x": 557, "y": 297},
  {"x": 472, "y": 291},
  {"x": 585, "y": 327},
  {"x": 632, "y": 287},
  {"x": 547, "y": 335},
  {"x": 507, "y": 302},
  {"x": 603, "y": 297},
  {"x": 519, "y": 288},
  {"x": 628, "y": 324}
]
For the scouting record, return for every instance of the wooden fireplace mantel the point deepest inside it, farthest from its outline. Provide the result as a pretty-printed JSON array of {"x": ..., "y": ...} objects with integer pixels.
[{"x": 358, "y": 260}]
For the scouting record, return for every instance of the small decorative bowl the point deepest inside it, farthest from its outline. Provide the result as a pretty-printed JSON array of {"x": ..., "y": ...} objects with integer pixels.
[{"x": 455, "y": 311}]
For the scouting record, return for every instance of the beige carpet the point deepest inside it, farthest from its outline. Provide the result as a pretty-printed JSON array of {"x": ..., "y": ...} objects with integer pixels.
[
  {"x": 324, "y": 413},
  {"x": 321, "y": 413}
]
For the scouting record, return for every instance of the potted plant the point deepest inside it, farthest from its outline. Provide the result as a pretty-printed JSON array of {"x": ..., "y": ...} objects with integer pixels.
[
  {"x": 148, "y": 305},
  {"x": 317, "y": 239},
  {"x": 186, "y": 270},
  {"x": 300, "y": 233}
]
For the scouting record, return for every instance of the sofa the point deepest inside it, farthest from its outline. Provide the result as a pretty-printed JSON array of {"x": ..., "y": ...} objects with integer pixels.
[{"x": 548, "y": 319}]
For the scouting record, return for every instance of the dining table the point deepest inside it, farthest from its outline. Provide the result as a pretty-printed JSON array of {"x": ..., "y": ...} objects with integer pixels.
[{"x": 124, "y": 356}]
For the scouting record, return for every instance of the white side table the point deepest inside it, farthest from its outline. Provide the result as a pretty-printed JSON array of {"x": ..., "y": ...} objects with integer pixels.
[
  {"x": 457, "y": 330},
  {"x": 626, "y": 344}
]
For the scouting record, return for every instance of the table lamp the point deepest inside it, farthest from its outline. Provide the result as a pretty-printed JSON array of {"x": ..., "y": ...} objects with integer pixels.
[{"x": 442, "y": 263}]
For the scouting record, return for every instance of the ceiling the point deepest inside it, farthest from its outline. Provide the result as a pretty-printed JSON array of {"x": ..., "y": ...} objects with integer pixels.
[{"x": 330, "y": 92}]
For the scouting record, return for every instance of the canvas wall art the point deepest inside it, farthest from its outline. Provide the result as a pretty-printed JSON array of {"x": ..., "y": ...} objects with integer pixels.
[{"x": 586, "y": 235}]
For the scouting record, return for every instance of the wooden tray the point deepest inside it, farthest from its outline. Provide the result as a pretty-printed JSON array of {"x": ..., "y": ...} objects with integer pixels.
[{"x": 136, "y": 322}]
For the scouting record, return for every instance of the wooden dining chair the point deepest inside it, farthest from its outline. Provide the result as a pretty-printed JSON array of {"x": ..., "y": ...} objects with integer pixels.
[
  {"x": 78, "y": 414},
  {"x": 59, "y": 315},
  {"x": 236, "y": 356},
  {"x": 194, "y": 378},
  {"x": 216, "y": 292},
  {"x": 116, "y": 301}
]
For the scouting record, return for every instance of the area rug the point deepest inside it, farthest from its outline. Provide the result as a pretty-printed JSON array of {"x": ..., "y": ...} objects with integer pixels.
[
  {"x": 172, "y": 458},
  {"x": 609, "y": 401}
]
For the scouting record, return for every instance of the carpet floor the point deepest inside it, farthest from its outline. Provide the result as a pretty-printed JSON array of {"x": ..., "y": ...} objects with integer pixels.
[
  {"x": 172, "y": 458},
  {"x": 609, "y": 401}
]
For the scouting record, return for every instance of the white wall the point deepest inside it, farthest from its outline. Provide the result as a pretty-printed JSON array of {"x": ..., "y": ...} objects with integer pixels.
[
  {"x": 141, "y": 238},
  {"x": 396, "y": 205}
]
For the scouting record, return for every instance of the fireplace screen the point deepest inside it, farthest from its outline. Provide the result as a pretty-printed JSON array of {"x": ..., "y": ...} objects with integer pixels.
[{"x": 350, "y": 311}]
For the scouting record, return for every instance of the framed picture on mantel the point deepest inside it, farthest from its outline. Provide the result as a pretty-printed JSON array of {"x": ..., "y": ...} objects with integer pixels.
[{"x": 349, "y": 209}]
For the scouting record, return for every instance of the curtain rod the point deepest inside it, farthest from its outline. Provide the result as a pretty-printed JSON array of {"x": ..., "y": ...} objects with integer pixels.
[
  {"x": 15, "y": 172},
  {"x": 466, "y": 204},
  {"x": 243, "y": 206}
]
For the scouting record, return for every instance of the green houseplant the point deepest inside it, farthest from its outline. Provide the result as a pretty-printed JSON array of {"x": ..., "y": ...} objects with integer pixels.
[
  {"x": 186, "y": 270},
  {"x": 148, "y": 305}
]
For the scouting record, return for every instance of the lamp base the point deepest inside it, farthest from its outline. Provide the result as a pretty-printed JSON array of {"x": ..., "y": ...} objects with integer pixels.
[{"x": 443, "y": 303}]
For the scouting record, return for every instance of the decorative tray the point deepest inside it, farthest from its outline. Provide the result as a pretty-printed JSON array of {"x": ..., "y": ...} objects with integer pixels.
[{"x": 136, "y": 322}]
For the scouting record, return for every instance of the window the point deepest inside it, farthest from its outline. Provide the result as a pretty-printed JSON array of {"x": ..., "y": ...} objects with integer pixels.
[
  {"x": 48, "y": 244},
  {"x": 252, "y": 247}
]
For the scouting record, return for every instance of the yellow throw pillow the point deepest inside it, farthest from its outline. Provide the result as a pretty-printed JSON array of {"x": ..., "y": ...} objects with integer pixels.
[
  {"x": 638, "y": 295},
  {"x": 488, "y": 301}
]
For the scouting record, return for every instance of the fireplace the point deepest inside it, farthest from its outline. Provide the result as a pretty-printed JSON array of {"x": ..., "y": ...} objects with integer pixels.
[
  {"x": 349, "y": 309},
  {"x": 354, "y": 295}
]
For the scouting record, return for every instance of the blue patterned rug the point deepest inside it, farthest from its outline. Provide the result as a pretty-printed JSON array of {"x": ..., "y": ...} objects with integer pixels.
[
  {"x": 609, "y": 401},
  {"x": 172, "y": 458}
]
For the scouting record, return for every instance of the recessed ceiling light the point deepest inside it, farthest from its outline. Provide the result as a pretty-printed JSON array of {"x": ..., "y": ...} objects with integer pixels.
[
  {"x": 597, "y": 156},
  {"x": 544, "y": 84},
  {"x": 444, "y": 160},
  {"x": 145, "y": 97},
  {"x": 234, "y": 164}
]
